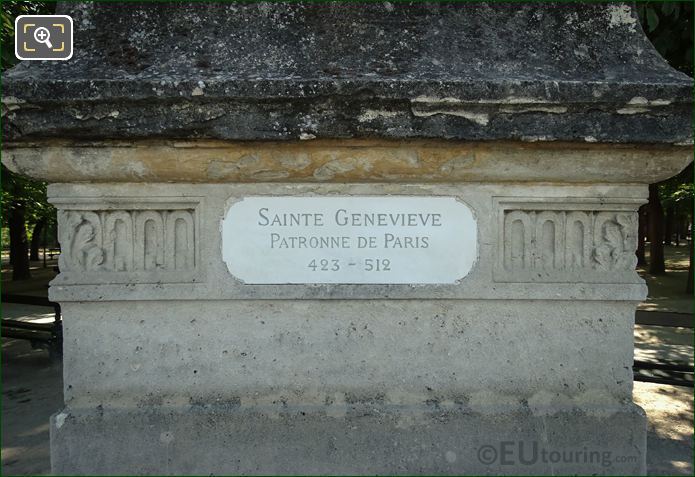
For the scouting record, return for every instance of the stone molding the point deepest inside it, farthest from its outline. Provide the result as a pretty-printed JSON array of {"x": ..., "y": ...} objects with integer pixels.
[{"x": 327, "y": 161}]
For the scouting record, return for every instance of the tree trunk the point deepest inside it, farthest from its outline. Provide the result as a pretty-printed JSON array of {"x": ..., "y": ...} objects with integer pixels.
[
  {"x": 678, "y": 231},
  {"x": 656, "y": 232},
  {"x": 36, "y": 239},
  {"x": 689, "y": 285},
  {"x": 641, "y": 234},
  {"x": 669, "y": 226},
  {"x": 19, "y": 247},
  {"x": 685, "y": 220}
]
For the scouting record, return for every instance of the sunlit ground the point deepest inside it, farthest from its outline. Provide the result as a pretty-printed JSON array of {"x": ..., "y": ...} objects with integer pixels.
[
  {"x": 667, "y": 292},
  {"x": 665, "y": 344},
  {"x": 670, "y": 427}
]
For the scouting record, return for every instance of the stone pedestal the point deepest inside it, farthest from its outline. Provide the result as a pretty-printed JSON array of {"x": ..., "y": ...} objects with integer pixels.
[{"x": 522, "y": 366}]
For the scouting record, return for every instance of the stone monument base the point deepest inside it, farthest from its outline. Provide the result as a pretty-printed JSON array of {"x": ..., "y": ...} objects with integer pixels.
[
  {"x": 348, "y": 387},
  {"x": 351, "y": 240},
  {"x": 365, "y": 437}
]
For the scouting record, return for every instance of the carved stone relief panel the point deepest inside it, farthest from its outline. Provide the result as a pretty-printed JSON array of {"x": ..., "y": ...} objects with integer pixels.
[
  {"x": 128, "y": 241},
  {"x": 558, "y": 240}
]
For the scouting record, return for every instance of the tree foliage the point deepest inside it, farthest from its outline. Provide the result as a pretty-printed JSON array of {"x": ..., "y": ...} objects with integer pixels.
[
  {"x": 18, "y": 189},
  {"x": 677, "y": 192},
  {"x": 23, "y": 200},
  {"x": 11, "y": 9},
  {"x": 15, "y": 186},
  {"x": 669, "y": 26}
]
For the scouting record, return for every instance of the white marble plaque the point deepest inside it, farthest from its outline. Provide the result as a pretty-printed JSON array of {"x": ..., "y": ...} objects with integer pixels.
[{"x": 380, "y": 239}]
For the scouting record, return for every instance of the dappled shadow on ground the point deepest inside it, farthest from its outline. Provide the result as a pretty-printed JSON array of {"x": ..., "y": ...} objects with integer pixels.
[
  {"x": 667, "y": 291},
  {"x": 662, "y": 344},
  {"x": 664, "y": 354},
  {"x": 658, "y": 335},
  {"x": 31, "y": 392},
  {"x": 670, "y": 427}
]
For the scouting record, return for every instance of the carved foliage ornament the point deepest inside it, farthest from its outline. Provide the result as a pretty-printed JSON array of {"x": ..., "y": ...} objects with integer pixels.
[
  {"x": 566, "y": 244},
  {"x": 133, "y": 241}
]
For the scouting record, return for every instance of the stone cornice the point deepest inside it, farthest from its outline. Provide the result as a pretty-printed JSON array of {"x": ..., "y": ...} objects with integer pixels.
[{"x": 343, "y": 161}]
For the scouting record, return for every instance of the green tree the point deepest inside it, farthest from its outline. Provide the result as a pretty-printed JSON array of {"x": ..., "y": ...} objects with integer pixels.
[
  {"x": 11, "y": 9},
  {"x": 677, "y": 195},
  {"x": 23, "y": 200},
  {"x": 669, "y": 26}
]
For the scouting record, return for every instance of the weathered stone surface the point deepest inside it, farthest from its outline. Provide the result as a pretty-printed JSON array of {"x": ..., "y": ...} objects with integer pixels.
[
  {"x": 367, "y": 438},
  {"x": 346, "y": 386},
  {"x": 343, "y": 161},
  {"x": 305, "y": 352},
  {"x": 535, "y": 72}
]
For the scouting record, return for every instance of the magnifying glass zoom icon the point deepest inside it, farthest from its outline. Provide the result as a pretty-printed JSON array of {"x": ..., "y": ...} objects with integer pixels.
[{"x": 42, "y": 35}]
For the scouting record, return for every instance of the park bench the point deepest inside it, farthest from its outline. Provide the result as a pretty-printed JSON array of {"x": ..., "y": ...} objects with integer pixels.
[
  {"x": 41, "y": 335},
  {"x": 664, "y": 371}
]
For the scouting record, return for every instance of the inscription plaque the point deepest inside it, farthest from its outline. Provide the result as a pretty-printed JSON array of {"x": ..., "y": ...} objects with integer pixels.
[{"x": 378, "y": 240}]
